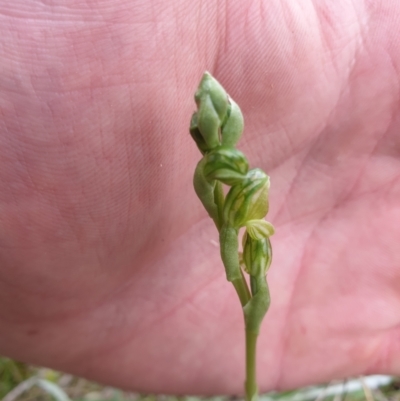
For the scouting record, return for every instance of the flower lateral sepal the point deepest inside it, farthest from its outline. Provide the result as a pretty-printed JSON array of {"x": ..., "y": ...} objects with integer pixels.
[
  {"x": 227, "y": 165},
  {"x": 248, "y": 200},
  {"x": 259, "y": 228}
]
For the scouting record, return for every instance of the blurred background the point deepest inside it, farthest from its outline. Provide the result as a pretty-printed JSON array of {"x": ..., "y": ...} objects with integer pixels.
[{"x": 22, "y": 382}]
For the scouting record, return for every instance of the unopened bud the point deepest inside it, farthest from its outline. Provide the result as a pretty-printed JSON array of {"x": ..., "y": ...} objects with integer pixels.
[
  {"x": 257, "y": 255},
  {"x": 247, "y": 200},
  {"x": 227, "y": 165},
  {"x": 212, "y": 104}
]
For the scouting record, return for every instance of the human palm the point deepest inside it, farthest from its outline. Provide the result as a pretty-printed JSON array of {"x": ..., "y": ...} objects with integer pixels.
[{"x": 110, "y": 267}]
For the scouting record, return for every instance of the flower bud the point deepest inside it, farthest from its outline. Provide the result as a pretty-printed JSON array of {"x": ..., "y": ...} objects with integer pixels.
[
  {"x": 247, "y": 200},
  {"x": 257, "y": 255},
  {"x": 212, "y": 104},
  {"x": 227, "y": 165}
]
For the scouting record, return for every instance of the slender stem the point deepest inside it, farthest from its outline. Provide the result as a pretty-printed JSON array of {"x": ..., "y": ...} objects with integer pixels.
[{"x": 251, "y": 379}]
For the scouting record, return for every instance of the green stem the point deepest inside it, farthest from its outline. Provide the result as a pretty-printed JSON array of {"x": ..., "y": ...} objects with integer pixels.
[
  {"x": 251, "y": 380},
  {"x": 254, "y": 313}
]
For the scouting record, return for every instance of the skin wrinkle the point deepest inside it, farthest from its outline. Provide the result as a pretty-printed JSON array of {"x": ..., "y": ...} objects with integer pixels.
[
  {"x": 379, "y": 141},
  {"x": 355, "y": 182},
  {"x": 301, "y": 266},
  {"x": 391, "y": 187},
  {"x": 350, "y": 62},
  {"x": 291, "y": 187},
  {"x": 389, "y": 347},
  {"x": 96, "y": 355},
  {"x": 281, "y": 382},
  {"x": 291, "y": 300},
  {"x": 362, "y": 170},
  {"x": 288, "y": 149},
  {"x": 222, "y": 21},
  {"x": 71, "y": 315}
]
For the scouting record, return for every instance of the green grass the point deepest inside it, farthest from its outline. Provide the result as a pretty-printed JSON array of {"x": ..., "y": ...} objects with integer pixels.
[{"x": 11, "y": 374}]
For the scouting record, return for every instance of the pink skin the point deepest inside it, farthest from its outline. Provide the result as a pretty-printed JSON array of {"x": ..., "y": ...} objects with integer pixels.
[{"x": 109, "y": 266}]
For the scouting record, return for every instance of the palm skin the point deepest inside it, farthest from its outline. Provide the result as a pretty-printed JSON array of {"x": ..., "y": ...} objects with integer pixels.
[{"x": 108, "y": 264}]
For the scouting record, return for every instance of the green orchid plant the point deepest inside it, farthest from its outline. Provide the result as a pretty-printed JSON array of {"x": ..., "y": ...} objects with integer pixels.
[{"x": 216, "y": 127}]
